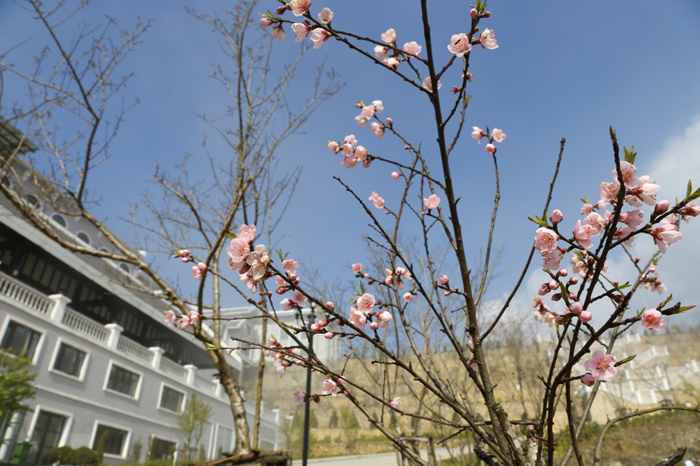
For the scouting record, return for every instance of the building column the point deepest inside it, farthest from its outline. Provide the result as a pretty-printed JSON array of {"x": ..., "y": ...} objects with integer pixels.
[
  {"x": 191, "y": 371},
  {"x": 157, "y": 356},
  {"x": 115, "y": 331},
  {"x": 59, "y": 307}
]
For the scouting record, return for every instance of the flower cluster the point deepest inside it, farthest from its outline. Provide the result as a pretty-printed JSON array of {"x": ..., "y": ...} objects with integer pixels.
[
  {"x": 364, "y": 311},
  {"x": 497, "y": 135},
  {"x": 393, "y": 60},
  {"x": 318, "y": 35},
  {"x": 182, "y": 321},
  {"x": 352, "y": 153}
]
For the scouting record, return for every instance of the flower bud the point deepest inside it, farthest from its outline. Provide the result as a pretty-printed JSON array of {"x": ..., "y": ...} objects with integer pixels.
[
  {"x": 573, "y": 280},
  {"x": 448, "y": 292},
  {"x": 474, "y": 13},
  {"x": 585, "y": 316},
  {"x": 366, "y": 162},
  {"x": 389, "y": 122},
  {"x": 691, "y": 209},
  {"x": 314, "y": 327},
  {"x": 572, "y": 296},
  {"x": 556, "y": 297},
  {"x": 330, "y": 305},
  {"x": 329, "y": 335},
  {"x": 652, "y": 268},
  {"x": 556, "y": 217},
  {"x": 563, "y": 273},
  {"x": 395, "y": 175},
  {"x": 443, "y": 280},
  {"x": 560, "y": 319},
  {"x": 292, "y": 276},
  {"x": 367, "y": 276},
  {"x": 553, "y": 285},
  {"x": 588, "y": 380},
  {"x": 490, "y": 148},
  {"x": 281, "y": 10},
  {"x": 576, "y": 308},
  {"x": 374, "y": 326},
  {"x": 486, "y": 14},
  {"x": 661, "y": 207},
  {"x": 265, "y": 22}
]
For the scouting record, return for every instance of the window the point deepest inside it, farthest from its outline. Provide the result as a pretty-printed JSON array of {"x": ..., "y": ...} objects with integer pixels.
[
  {"x": 33, "y": 200},
  {"x": 69, "y": 360},
  {"x": 123, "y": 381},
  {"x": 111, "y": 439},
  {"x": 82, "y": 236},
  {"x": 124, "y": 267},
  {"x": 59, "y": 219},
  {"x": 223, "y": 440},
  {"x": 20, "y": 338},
  {"x": 47, "y": 434},
  {"x": 171, "y": 399},
  {"x": 162, "y": 449}
]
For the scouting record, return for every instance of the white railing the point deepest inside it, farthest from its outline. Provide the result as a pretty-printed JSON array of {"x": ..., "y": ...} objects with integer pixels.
[
  {"x": 171, "y": 368},
  {"x": 134, "y": 350},
  {"x": 22, "y": 294},
  {"x": 81, "y": 324},
  {"x": 204, "y": 385}
]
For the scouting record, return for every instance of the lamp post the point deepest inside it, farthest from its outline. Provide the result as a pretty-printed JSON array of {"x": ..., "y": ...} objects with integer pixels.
[{"x": 307, "y": 407}]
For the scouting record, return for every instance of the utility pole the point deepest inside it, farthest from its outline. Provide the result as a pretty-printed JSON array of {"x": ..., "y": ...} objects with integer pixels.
[{"x": 307, "y": 408}]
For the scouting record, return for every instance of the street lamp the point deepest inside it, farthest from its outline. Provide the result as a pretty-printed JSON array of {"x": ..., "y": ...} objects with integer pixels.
[{"x": 307, "y": 407}]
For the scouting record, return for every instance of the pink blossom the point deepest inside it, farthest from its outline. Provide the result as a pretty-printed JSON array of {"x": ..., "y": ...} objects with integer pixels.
[
  {"x": 349, "y": 144},
  {"x": 597, "y": 221},
  {"x": 665, "y": 234},
  {"x": 389, "y": 36},
  {"x": 395, "y": 175},
  {"x": 658, "y": 287},
  {"x": 300, "y": 30},
  {"x": 396, "y": 402},
  {"x": 545, "y": 239},
  {"x": 412, "y": 47},
  {"x": 367, "y": 111},
  {"x": 608, "y": 192},
  {"x": 431, "y": 202},
  {"x": 380, "y": 51},
  {"x": 552, "y": 259},
  {"x": 197, "y": 272},
  {"x": 691, "y": 210},
  {"x": 278, "y": 32},
  {"x": 629, "y": 174},
  {"x": 299, "y": 397},
  {"x": 195, "y": 316},
  {"x": 330, "y": 387},
  {"x": 601, "y": 365},
  {"x": 378, "y": 106},
  {"x": 349, "y": 161},
  {"x": 265, "y": 22},
  {"x": 360, "y": 153},
  {"x": 383, "y": 318},
  {"x": 459, "y": 45},
  {"x": 645, "y": 192},
  {"x": 661, "y": 207},
  {"x": 428, "y": 84},
  {"x": 357, "y": 318},
  {"x": 443, "y": 280},
  {"x": 586, "y": 209},
  {"x": 280, "y": 367},
  {"x": 498, "y": 135},
  {"x": 237, "y": 253},
  {"x": 299, "y": 7},
  {"x": 287, "y": 304},
  {"x": 258, "y": 261},
  {"x": 408, "y": 296},
  {"x": 556, "y": 217},
  {"x": 325, "y": 16},
  {"x": 488, "y": 39},
  {"x": 588, "y": 380},
  {"x": 334, "y": 147},
  {"x": 319, "y": 37},
  {"x": 377, "y": 129},
  {"x": 633, "y": 218},
  {"x": 298, "y": 298},
  {"x": 357, "y": 267},
  {"x": 290, "y": 266},
  {"x": 490, "y": 148},
  {"x": 365, "y": 303},
  {"x": 377, "y": 201},
  {"x": 247, "y": 233},
  {"x": 170, "y": 317},
  {"x": 583, "y": 233},
  {"x": 652, "y": 319},
  {"x": 392, "y": 62},
  {"x": 185, "y": 322}
]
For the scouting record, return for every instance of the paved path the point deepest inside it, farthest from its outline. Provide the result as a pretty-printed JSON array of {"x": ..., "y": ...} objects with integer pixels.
[{"x": 378, "y": 459}]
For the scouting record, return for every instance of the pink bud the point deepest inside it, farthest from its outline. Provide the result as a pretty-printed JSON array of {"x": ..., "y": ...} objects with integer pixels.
[
  {"x": 330, "y": 305},
  {"x": 691, "y": 210},
  {"x": 448, "y": 292},
  {"x": 395, "y": 175},
  {"x": 490, "y": 148},
  {"x": 367, "y": 276},
  {"x": 408, "y": 296},
  {"x": 374, "y": 326},
  {"x": 636, "y": 259},
  {"x": 366, "y": 162},
  {"x": 661, "y": 207},
  {"x": 314, "y": 327},
  {"x": 563, "y": 273},
  {"x": 576, "y": 308},
  {"x": 556, "y": 217},
  {"x": 357, "y": 268},
  {"x": 486, "y": 14},
  {"x": 265, "y": 22},
  {"x": 389, "y": 122},
  {"x": 281, "y": 10},
  {"x": 329, "y": 335},
  {"x": 474, "y": 13},
  {"x": 185, "y": 259},
  {"x": 202, "y": 266},
  {"x": 588, "y": 380},
  {"x": 292, "y": 276},
  {"x": 560, "y": 319},
  {"x": 585, "y": 316},
  {"x": 544, "y": 289},
  {"x": 553, "y": 285},
  {"x": 573, "y": 280},
  {"x": 652, "y": 268},
  {"x": 443, "y": 280},
  {"x": 572, "y": 296},
  {"x": 590, "y": 259},
  {"x": 556, "y": 297}
]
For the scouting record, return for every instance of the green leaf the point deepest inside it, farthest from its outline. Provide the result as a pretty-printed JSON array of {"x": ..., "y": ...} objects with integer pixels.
[
  {"x": 668, "y": 300},
  {"x": 230, "y": 235},
  {"x": 626, "y": 360},
  {"x": 630, "y": 154},
  {"x": 690, "y": 189},
  {"x": 681, "y": 310},
  {"x": 613, "y": 136},
  {"x": 694, "y": 196},
  {"x": 539, "y": 221},
  {"x": 585, "y": 201},
  {"x": 622, "y": 287},
  {"x": 211, "y": 347},
  {"x": 362, "y": 287}
]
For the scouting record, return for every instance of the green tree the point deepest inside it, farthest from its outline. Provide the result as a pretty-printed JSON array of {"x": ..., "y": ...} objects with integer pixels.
[
  {"x": 190, "y": 422},
  {"x": 16, "y": 383}
]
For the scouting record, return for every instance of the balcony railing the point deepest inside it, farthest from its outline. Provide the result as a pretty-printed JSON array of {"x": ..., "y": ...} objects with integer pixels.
[{"x": 22, "y": 294}]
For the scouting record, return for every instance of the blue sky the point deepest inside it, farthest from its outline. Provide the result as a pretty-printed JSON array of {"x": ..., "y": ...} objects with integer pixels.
[{"x": 563, "y": 69}]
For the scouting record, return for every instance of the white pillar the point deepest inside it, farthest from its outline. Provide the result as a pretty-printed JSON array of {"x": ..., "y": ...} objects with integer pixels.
[
  {"x": 657, "y": 369},
  {"x": 191, "y": 371},
  {"x": 666, "y": 384},
  {"x": 653, "y": 350},
  {"x": 639, "y": 396},
  {"x": 694, "y": 365},
  {"x": 157, "y": 356},
  {"x": 218, "y": 390},
  {"x": 631, "y": 382},
  {"x": 115, "y": 331},
  {"x": 59, "y": 306},
  {"x": 652, "y": 392}
]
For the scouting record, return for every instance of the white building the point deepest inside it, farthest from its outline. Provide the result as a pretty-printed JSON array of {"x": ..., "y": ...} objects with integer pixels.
[{"x": 108, "y": 366}]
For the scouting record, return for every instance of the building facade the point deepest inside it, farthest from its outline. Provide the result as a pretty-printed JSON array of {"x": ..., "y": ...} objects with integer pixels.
[{"x": 110, "y": 372}]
